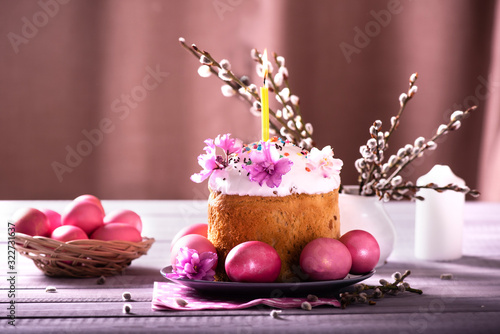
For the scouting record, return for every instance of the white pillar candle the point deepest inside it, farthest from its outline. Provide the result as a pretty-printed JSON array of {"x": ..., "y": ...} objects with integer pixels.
[{"x": 439, "y": 218}]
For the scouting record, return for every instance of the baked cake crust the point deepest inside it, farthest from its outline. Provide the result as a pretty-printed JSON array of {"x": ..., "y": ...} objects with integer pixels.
[{"x": 287, "y": 223}]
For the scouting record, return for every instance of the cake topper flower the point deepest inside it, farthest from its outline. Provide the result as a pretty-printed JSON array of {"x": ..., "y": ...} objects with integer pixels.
[
  {"x": 190, "y": 264},
  {"x": 267, "y": 166},
  {"x": 324, "y": 161},
  {"x": 210, "y": 161}
]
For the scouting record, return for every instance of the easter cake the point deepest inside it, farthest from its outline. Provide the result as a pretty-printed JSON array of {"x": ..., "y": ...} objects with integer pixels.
[{"x": 274, "y": 192}]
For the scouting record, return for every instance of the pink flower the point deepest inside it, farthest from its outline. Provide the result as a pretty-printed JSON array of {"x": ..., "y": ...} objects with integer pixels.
[
  {"x": 228, "y": 144},
  {"x": 267, "y": 165},
  {"x": 324, "y": 161},
  {"x": 208, "y": 161},
  {"x": 191, "y": 265}
]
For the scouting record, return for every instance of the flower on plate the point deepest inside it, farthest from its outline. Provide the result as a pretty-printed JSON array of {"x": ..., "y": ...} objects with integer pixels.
[
  {"x": 267, "y": 165},
  {"x": 324, "y": 161},
  {"x": 190, "y": 264}
]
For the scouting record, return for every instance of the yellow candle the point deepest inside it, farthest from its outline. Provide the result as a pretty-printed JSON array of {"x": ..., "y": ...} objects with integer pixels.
[{"x": 264, "y": 101}]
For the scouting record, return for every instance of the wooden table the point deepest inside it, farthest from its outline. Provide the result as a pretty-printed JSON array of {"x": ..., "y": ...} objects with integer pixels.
[{"x": 470, "y": 302}]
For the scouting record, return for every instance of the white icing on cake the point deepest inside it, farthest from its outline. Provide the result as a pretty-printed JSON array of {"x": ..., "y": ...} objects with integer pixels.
[{"x": 305, "y": 177}]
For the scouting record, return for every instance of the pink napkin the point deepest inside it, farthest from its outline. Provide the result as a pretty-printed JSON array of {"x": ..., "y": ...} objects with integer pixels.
[{"x": 170, "y": 296}]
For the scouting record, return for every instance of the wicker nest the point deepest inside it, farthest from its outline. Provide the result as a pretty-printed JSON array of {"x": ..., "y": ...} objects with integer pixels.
[{"x": 80, "y": 258}]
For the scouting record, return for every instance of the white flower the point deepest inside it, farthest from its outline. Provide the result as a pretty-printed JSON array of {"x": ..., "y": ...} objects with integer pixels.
[
  {"x": 204, "y": 71},
  {"x": 394, "y": 120},
  {"x": 254, "y": 54},
  {"x": 280, "y": 60},
  {"x": 182, "y": 40},
  {"x": 402, "y": 99},
  {"x": 392, "y": 160},
  {"x": 284, "y": 71},
  {"x": 246, "y": 94},
  {"x": 431, "y": 145},
  {"x": 295, "y": 100},
  {"x": 205, "y": 61},
  {"x": 252, "y": 88},
  {"x": 359, "y": 164},
  {"x": 457, "y": 115},
  {"x": 413, "y": 91},
  {"x": 413, "y": 77},
  {"x": 278, "y": 113},
  {"x": 225, "y": 64},
  {"x": 401, "y": 152},
  {"x": 291, "y": 125},
  {"x": 385, "y": 168},
  {"x": 371, "y": 143},
  {"x": 285, "y": 95},
  {"x": 396, "y": 181},
  {"x": 419, "y": 142},
  {"x": 287, "y": 112},
  {"x": 278, "y": 79},
  {"x": 456, "y": 125},
  {"x": 309, "y": 128},
  {"x": 224, "y": 75},
  {"x": 227, "y": 91},
  {"x": 442, "y": 129},
  {"x": 324, "y": 161}
]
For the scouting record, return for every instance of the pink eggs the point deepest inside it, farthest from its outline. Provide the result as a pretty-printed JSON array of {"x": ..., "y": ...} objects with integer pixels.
[
  {"x": 117, "y": 231},
  {"x": 201, "y": 229},
  {"x": 253, "y": 261},
  {"x": 192, "y": 241},
  {"x": 53, "y": 217},
  {"x": 91, "y": 199},
  {"x": 85, "y": 214},
  {"x": 364, "y": 249},
  {"x": 124, "y": 216},
  {"x": 325, "y": 259},
  {"x": 68, "y": 233},
  {"x": 32, "y": 222}
]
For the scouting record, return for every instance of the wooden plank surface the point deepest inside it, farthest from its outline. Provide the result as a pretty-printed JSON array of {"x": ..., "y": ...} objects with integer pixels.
[{"x": 470, "y": 302}]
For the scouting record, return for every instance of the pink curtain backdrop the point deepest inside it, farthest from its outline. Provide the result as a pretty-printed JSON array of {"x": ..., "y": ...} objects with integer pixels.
[{"x": 98, "y": 96}]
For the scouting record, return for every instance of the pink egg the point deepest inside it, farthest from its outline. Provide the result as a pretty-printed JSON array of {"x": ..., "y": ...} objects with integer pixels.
[
  {"x": 53, "y": 217},
  {"x": 201, "y": 229},
  {"x": 192, "y": 241},
  {"x": 68, "y": 232},
  {"x": 32, "y": 222},
  {"x": 124, "y": 216},
  {"x": 364, "y": 249},
  {"x": 117, "y": 231},
  {"x": 84, "y": 214},
  {"x": 325, "y": 259},
  {"x": 90, "y": 198},
  {"x": 253, "y": 261}
]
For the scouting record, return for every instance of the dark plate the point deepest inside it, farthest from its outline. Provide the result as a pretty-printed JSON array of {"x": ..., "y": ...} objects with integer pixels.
[{"x": 269, "y": 289}]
